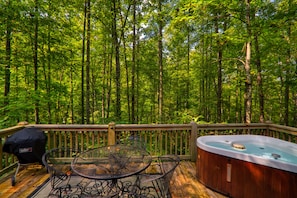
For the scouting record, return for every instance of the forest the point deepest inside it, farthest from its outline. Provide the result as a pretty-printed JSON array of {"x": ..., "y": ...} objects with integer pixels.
[{"x": 148, "y": 61}]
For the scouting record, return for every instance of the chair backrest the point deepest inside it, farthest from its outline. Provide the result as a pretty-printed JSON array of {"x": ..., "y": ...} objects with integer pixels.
[
  {"x": 59, "y": 156},
  {"x": 58, "y": 161},
  {"x": 168, "y": 162},
  {"x": 133, "y": 141},
  {"x": 168, "y": 165}
]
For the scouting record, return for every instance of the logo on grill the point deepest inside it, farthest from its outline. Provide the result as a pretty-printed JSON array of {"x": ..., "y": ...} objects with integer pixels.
[{"x": 25, "y": 150}]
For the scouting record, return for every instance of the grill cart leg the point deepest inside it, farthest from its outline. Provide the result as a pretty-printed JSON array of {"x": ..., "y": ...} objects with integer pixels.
[{"x": 13, "y": 178}]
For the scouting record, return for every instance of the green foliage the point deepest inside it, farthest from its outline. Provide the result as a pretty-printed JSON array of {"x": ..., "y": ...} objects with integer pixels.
[{"x": 193, "y": 34}]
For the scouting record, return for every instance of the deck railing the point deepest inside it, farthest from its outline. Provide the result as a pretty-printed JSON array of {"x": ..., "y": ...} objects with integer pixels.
[{"x": 159, "y": 139}]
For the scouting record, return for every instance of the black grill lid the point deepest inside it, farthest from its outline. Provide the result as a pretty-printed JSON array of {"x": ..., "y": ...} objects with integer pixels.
[{"x": 27, "y": 144}]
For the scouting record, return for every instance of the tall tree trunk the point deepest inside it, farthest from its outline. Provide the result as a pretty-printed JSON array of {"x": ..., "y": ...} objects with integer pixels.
[
  {"x": 133, "y": 103},
  {"x": 288, "y": 66},
  {"x": 201, "y": 71},
  {"x": 287, "y": 79},
  {"x": 259, "y": 80},
  {"x": 123, "y": 25},
  {"x": 238, "y": 99},
  {"x": 109, "y": 83},
  {"x": 83, "y": 66},
  {"x": 72, "y": 96},
  {"x": 160, "y": 55},
  {"x": 219, "y": 73},
  {"x": 8, "y": 59},
  {"x": 104, "y": 83},
  {"x": 35, "y": 59},
  {"x": 48, "y": 83},
  {"x": 187, "y": 105},
  {"x": 127, "y": 77},
  {"x": 88, "y": 62},
  {"x": 117, "y": 61},
  {"x": 247, "y": 67}
]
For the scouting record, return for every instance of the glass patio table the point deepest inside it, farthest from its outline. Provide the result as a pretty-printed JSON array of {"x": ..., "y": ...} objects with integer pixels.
[{"x": 106, "y": 167}]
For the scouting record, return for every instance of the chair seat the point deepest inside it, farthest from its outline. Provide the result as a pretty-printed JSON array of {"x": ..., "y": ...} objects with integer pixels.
[{"x": 145, "y": 178}]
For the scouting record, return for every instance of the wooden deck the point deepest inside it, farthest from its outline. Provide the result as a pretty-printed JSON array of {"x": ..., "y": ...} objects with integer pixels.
[{"x": 184, "y": 183}]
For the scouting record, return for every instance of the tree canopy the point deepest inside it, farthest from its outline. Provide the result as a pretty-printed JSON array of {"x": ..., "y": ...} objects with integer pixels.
[{"x": 151, "y": 61}]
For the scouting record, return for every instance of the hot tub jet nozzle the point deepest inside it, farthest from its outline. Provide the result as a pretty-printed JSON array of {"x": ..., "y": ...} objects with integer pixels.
[{"x": 275, "y": 156}]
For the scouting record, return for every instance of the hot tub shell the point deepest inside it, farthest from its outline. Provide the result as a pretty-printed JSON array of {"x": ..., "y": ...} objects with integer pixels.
[{"x": 237, "y": 174}]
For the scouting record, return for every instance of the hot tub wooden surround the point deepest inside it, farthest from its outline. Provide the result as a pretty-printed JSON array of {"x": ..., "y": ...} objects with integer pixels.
[{"x": 241, "y": 179}]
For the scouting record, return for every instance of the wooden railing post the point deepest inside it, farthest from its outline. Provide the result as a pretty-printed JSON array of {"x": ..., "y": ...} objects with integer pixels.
[
  {"x": 193, "y": 146},
  {"x": 23, "y": 123},
  {"x": 111, "y": 134}
]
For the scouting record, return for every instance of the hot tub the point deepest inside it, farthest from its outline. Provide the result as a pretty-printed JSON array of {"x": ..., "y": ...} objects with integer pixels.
[{"x": 247, "y": 165}]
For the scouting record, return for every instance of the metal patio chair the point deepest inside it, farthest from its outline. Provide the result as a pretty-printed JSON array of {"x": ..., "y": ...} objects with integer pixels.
[
  {"x": 157, "y": 176},
  {"x": 133, "y": 141},
  {"x": 58, "y": 164}
]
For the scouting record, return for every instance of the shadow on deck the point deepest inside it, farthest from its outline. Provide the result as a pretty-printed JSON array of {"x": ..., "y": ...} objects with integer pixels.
[{"x": 184, "y": 183}]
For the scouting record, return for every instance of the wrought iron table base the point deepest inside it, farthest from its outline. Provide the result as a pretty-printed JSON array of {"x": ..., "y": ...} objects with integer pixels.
[{"x": 118, "y": 188}]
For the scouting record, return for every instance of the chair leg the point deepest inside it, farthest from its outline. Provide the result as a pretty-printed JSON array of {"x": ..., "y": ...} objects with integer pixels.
[{"x": 161, "y": 190}]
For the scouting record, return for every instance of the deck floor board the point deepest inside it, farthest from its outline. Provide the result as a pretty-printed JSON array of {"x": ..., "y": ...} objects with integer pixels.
[{"x": 183, "y": 184}]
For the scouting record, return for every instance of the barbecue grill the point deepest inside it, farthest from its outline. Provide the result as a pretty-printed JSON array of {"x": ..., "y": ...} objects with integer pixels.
[{"x": 28, "y": 145}]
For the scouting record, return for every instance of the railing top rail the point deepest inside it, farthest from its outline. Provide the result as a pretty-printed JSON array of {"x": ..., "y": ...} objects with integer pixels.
[
  {"x": 8, "y": 131},
  {"x": 120, "y": 127},
  {"x": 70, "y": 127},
  {"x": 281, "y": 128},
  {"x": 143, "y": 127},
  {"x": 233, "y": 126}
]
